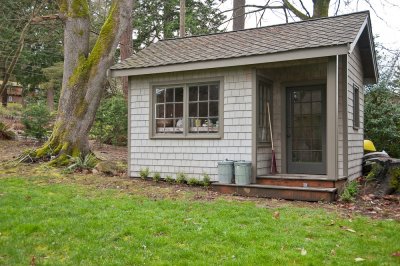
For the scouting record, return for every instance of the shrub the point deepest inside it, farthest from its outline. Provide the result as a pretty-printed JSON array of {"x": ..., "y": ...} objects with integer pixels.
[
  {"x": 5, "y": 132},
  {"x": 394, "y": 175},
  {"x": 36, "y": 119},
  {"x": 375, "y": 170},
  {"x": 144, "y": 173},
  {"x": 169, "y": 179},
  {"x": 80, "y": 163},
  {"x": 181, "y": 178},
  {"x": 156, "y": 177},
  {"x": 193, "y": 181},
  {"x": 111, "y": 122},
  {"x": 382, "y": 119},
  {"x": 13, "y": 109},
  {"x": 350, "y": 191},
  {"x": 206, "y": 180}
]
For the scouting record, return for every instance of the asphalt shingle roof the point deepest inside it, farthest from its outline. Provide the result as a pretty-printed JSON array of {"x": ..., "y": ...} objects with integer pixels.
[{"x": 324, "y": 32}]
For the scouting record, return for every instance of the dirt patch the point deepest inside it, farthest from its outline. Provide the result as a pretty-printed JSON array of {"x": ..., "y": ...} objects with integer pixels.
[{"x": 387, "y": 207}]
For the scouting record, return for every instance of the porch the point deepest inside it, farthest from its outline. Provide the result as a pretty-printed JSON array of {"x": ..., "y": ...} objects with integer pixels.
[{"x": 304, "y": 102}]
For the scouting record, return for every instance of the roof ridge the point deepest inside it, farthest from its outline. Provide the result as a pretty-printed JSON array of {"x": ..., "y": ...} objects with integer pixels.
[{"x": 269, "y": 26}]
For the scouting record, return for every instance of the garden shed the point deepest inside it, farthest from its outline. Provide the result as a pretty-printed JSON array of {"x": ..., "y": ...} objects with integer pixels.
[{"x": 198, "y": 100}]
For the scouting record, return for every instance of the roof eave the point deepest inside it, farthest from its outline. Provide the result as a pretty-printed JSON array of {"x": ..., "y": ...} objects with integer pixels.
[
  {"x": 367, "y": 23},
  {"x": 232, "y": 62}
]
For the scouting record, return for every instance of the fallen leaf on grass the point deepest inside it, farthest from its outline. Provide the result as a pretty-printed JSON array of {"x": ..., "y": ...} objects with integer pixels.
[
  {"x": 358, "y": 259},
  {"x": 276, "y": 215},
  {"x": 347, "y": 229},
  {"x": 396, "y": 254},
  {"x": 303, "y": 252}
]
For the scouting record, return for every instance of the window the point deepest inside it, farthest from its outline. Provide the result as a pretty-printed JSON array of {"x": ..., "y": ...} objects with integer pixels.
[
  {"x": 356, "y": 106},
  {"x": 264, "y": 99},
  {"x": 188, "y": 110},
  {"x": 169, "y": 110},
  {"x": 10, "y": 99}
]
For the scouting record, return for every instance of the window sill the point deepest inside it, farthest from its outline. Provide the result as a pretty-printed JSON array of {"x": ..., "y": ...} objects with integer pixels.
[
  {"x": 188, "y": 137},
  {"x": 356, "y": 128}
]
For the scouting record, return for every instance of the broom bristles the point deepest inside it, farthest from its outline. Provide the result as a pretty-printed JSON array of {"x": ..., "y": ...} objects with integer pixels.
[{"x": 273, "y": 163}]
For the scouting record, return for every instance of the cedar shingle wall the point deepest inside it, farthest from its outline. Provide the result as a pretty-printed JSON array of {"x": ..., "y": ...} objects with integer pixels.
[
  {"x": 355, "y": 137},
  {"x": 193, "y": 157}
]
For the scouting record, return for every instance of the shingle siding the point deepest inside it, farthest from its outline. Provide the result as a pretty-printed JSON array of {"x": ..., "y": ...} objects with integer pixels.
[
  {"x": 355, "y": 136},
  {"x": 192, "y": 156}
]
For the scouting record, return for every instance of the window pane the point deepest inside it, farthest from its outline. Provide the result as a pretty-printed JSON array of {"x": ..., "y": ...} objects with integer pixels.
[
  {"x": 169, "y": 123},
  {"x": 159, "y": 110},
  {"x": 213, "y": 108},
  {"x": 169, "y": 110},
  {"x": 203, "y": 109},
  {"x": 179, "y": 95},
  {"x": 160, "y": 93},
  {"x": 316, "y": 95},
  {"x": 193, "y": 109},
  {"x": 305, "y": 96},
  {"x": 203, "y": 93},
  {"x": 214, "y": 92},
  {"x": 306, "y": 108},
  {"x": 178, "y": 110},
  {"x": 170, "y": 95},
  {"x": 193, "y": 93}
]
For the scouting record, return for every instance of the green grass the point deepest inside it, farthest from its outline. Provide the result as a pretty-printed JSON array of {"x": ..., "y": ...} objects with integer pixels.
[{"x": 66, "y": 224}]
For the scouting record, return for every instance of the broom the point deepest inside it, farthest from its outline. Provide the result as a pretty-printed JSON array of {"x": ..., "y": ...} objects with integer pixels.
[{"x": 273, "y": 159}]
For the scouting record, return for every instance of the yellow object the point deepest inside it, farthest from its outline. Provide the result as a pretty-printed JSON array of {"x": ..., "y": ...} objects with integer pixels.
[{"x": 369, "y": 145}]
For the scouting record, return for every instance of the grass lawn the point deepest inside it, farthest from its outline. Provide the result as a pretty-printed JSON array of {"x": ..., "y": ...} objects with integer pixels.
[{"x": 73, "y": 224}]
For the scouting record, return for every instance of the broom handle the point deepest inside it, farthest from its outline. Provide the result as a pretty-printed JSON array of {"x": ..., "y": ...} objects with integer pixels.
[{"x": 270, "y": 127}]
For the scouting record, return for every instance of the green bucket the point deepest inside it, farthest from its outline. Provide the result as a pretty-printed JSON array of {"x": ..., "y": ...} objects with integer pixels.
[
  {"x": 225, "y": 172},
  {"x": 243, "y": 173}
]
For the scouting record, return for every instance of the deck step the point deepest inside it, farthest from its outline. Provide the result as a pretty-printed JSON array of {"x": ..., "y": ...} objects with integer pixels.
[
  {"x": 300, "y": 181},
  {"x": 280, "y": 192}
]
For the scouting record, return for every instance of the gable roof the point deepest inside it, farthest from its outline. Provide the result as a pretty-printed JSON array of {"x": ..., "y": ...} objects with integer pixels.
[{"x": 331, "y": 32}]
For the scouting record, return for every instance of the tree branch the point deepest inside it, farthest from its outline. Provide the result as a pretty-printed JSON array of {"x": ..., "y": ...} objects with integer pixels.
[
  {"x": 39, "y": 19},
  {"x": 295, "y": 11}
]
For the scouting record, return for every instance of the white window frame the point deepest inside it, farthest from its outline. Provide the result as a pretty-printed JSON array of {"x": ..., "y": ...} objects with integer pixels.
[{"x": 185, "y": 85}]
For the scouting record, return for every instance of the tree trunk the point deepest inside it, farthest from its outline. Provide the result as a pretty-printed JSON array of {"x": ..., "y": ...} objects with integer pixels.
[
  {"x": 126, "y": 51},
  {"x": 238, "y": 14},
  {"x": 84, "y": 77},
  {"x": 182, "y": 14},
  {"x": 321, "y": 8},
  {"x": 50, "y": 98}
]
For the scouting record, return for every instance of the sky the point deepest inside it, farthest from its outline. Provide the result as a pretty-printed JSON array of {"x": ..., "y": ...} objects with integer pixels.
[{"x": 385, "y": 19}]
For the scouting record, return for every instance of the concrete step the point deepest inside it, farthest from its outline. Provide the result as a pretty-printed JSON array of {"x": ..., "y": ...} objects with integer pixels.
[{"x": 279, "y": 192}]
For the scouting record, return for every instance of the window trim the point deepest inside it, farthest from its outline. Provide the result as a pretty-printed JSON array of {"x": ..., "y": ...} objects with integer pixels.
[
  {"x": 356, "y": 107},
  {"x": 185, "y": 84}
]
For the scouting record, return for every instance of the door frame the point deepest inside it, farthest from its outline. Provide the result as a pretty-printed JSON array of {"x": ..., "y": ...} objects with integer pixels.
[{"x": 283, "y": 96}]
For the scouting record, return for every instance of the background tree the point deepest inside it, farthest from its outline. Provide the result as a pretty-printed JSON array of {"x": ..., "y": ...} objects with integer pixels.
[
  {"x": 53, "y": 84},
  {"x": 24, "y": 46},
  {"x": 159, "y": 19},
  {"x": 238, "y": 14}
]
